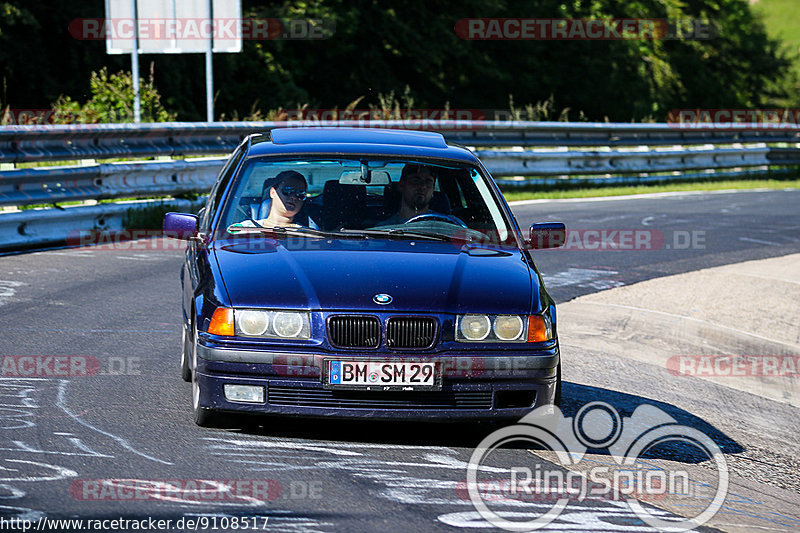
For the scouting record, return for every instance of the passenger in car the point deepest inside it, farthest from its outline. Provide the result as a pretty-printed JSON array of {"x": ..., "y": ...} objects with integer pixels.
[
  {"x": 415, "y": 186},
  {"x": 282, "y": 198}
]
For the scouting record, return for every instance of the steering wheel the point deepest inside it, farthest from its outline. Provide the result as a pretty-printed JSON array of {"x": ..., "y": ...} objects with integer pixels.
[{"x": 450, "y": 219}]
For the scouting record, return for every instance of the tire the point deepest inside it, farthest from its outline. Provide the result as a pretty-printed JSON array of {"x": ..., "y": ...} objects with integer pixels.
[
  {"x": 557, "y": 397},
  {"x": 186, "y": 346},
  {"x": 203, "y": 416}
]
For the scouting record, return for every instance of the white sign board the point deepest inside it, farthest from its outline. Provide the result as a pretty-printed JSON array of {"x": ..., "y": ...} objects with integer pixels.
[{"x": 173, "y": 26}]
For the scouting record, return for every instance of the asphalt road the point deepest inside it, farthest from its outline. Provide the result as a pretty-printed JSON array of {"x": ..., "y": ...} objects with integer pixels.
[
  {"x": 676, "y": 233},
  {"x": 118, "y": 311}
]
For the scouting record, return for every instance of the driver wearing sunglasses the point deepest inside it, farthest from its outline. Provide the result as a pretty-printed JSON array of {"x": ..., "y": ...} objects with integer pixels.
[{"x": 287, "y": 192}]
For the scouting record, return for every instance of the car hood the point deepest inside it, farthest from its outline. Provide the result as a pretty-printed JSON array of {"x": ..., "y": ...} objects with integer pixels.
[{"x": 420, "y": 276}]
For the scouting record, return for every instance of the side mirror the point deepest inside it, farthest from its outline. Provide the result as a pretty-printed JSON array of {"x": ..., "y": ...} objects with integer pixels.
[
  {"x": 180, "y": 225},
  {"x": 547, "y": 235}
]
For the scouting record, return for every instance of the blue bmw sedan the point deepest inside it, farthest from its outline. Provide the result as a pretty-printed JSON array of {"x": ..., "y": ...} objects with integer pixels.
[{"x": 363, "y": 273}]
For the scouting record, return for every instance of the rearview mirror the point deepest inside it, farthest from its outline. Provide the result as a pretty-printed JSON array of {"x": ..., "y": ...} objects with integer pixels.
[
  {"x": 180, "y": 225},
  {"x": 358, "y": 177},
  {"x": 547, "y": 235}
]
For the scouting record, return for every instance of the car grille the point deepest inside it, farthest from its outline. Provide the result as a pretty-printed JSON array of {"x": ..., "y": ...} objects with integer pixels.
[
  {"x": 307, "y": 397},
  {"x": 410, "y": 332},
  {"x": 354, "y": 331}
]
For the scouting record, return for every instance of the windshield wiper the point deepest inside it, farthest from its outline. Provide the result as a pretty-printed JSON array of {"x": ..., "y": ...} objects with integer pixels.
[
  {"x": 291, "y": 231},
  {"x": 399, "y": 233}
]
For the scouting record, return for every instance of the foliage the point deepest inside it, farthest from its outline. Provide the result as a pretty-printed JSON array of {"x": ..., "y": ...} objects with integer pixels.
[
  {"x": 112, "y": 101},
  {"x": 781, "y": 20},
  {"x": 541, "y": 111},
  {"x": 408, "y": 49}
]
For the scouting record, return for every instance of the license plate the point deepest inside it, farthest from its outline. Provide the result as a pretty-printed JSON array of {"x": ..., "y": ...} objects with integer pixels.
[{"x": 382, "y": 375}]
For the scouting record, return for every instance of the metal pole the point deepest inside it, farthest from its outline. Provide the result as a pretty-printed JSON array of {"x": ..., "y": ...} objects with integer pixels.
[
  {"x": 137, "y": 104},
  {"x": 210, "y": 67}
]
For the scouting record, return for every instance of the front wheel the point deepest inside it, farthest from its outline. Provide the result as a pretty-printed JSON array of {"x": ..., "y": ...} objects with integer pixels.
[
  {"x": 203, "y": 416},
  {"x": 557, "y": 397},
  {"x": 186, "y": 347}
]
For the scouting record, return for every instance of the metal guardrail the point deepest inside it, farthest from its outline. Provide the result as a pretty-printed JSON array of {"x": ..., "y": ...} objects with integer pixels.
[
  {"x": 53, "y": 227},
  {"x": 47, "y": 185},
  {"x": 553, "y": 152},
  {"x": 103, "y": 141}
]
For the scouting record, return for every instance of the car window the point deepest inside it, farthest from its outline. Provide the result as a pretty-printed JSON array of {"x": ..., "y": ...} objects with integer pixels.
[
  {"x": 215, "y": 196},
  {"x": 352, "y": 194}
]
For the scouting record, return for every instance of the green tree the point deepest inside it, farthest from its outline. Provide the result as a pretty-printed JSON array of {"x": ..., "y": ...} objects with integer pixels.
[
  {"x": 379, "y": 48},
  {"x": 112, "y": 101}
]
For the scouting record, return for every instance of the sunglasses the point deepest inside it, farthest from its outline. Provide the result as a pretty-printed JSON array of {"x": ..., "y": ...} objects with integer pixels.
[{"x": 297, "y": 193}]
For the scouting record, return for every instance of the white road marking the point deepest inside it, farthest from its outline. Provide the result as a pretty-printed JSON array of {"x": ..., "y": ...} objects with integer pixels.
[
  {"x": 167, "y": 491},
  {"x": 590, "y": 518},
  {"x": 21, "y": 446},
  {"x": 61, "y": 403},
  {"x": 80, "y": 253},
  {"x": 59, "y": 472},
  {"x": 422, "y": 479},
  {"x": 582, "y": 276},
  {"x": 291, "y": 445},
  {"x": 8, "y": 290},
  {"x": 759, "y": 241},
  {"x": 138, "y": 257}
]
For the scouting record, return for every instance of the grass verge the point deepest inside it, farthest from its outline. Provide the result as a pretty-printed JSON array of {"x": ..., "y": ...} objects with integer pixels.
[{"x": 516, "y": 194}]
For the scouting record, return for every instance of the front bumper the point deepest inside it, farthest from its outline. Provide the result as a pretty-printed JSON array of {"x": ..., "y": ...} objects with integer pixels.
[{"x": 473, "y": 387}]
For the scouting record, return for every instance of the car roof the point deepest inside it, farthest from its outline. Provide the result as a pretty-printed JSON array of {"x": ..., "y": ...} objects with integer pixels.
[{"x": 357, "y": 141}]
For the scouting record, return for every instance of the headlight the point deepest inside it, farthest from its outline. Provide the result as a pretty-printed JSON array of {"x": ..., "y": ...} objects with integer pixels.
[
  {"x": 504, "y": 328},
  {"x": 272, "y": 324},
  {"x": 508, "y": 327},
  {"x": 475, "y": 327},
  {"x": 252, "y": 322},
  {"x": 288, "y": 324}
]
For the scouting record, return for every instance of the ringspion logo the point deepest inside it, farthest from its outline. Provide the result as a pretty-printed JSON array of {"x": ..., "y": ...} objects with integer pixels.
[{"x": 596, "y": 425}]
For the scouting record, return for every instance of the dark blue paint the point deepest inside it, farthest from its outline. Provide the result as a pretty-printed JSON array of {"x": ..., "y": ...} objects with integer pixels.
[{"x": 324, "y": 276}]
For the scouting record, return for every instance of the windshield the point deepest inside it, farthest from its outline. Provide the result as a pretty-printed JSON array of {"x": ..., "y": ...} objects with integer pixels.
[{"x": 363, "y": 198}]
